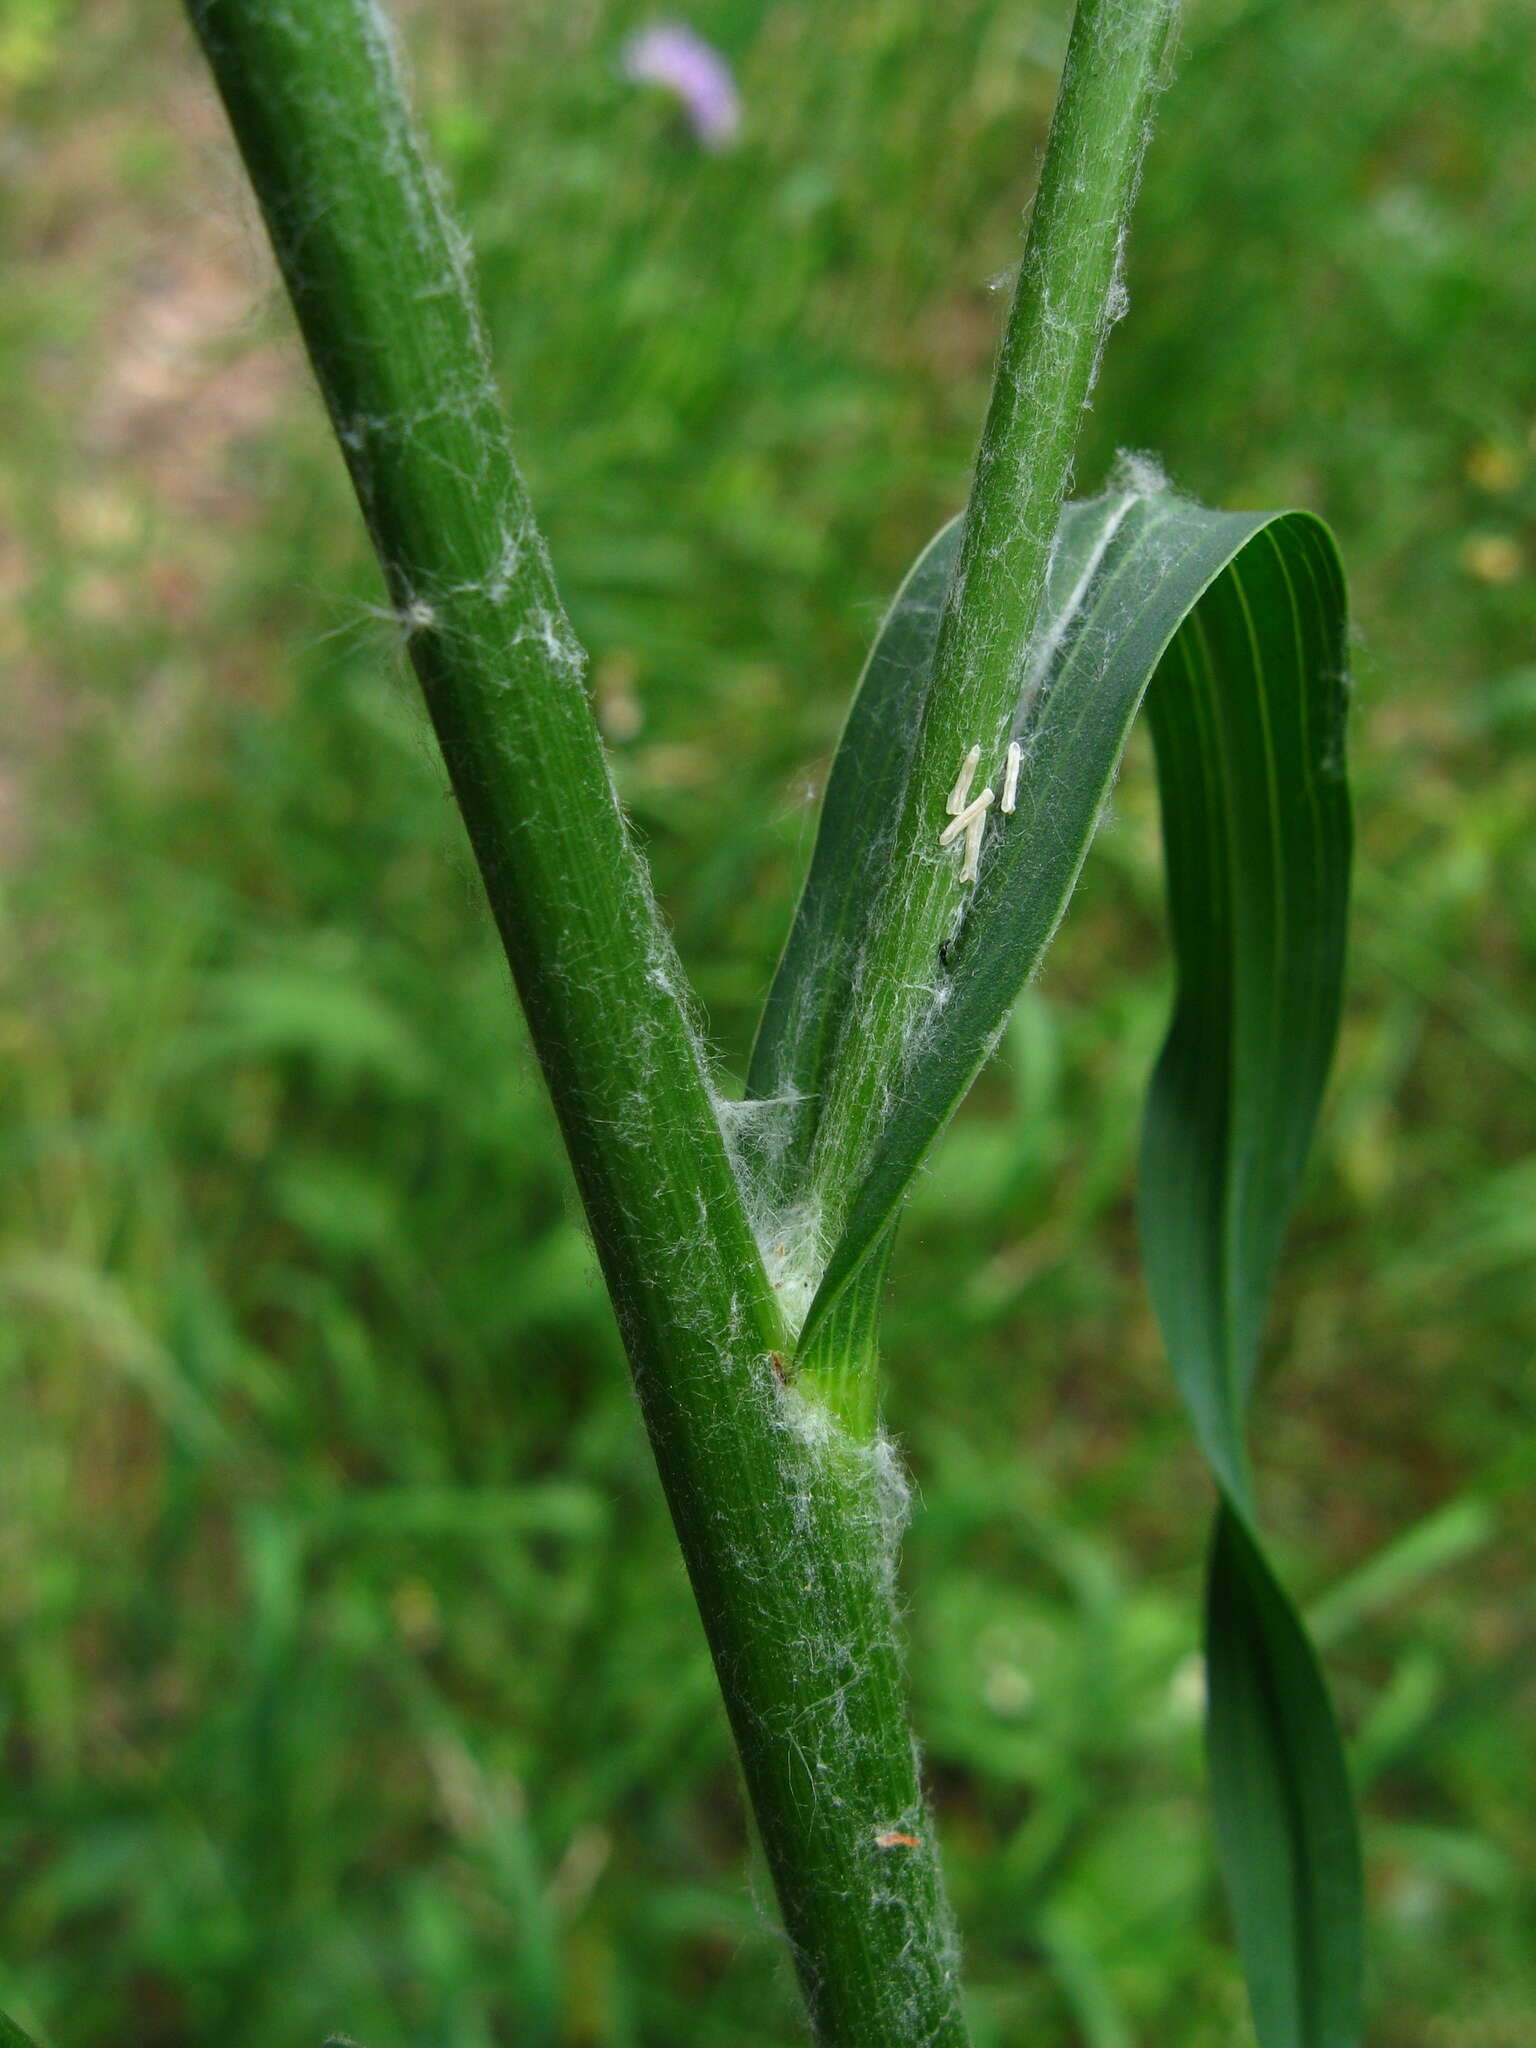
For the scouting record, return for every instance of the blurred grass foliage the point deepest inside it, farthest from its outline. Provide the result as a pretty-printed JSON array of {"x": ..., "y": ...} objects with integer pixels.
[{"x": 349, "y": 1677}]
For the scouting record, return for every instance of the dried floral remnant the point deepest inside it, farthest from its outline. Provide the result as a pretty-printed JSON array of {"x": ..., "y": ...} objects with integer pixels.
[
  {"x": 1011, "y": 778},
  {"x": 960, "y": 795}
]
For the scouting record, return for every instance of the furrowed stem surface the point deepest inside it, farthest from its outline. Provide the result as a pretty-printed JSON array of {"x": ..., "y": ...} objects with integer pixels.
[
  {"x": 788, "y": 1527},
  {"x": 1063, "y": 305}
]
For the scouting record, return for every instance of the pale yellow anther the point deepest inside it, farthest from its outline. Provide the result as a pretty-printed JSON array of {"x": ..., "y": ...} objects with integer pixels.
[
  {"x": 1011, "y": 778},
  {"x": 962, "y": 789},
  {"x": 973, "y": 833},
  {"x": 973, "y": 814}
]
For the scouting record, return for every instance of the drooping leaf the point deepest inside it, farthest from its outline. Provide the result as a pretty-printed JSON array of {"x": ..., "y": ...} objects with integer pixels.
[
  {"x": 1283, "y": 1806},
  {"x": 1248, "y": 717},
  {"x": 1130, "y": 568},
  {"x": 11, "y": 2035},
  {"x": 1235, "y": 624}
]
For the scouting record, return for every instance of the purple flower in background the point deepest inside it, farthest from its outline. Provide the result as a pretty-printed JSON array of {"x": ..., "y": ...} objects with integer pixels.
[{"x": 671, "y": 55}]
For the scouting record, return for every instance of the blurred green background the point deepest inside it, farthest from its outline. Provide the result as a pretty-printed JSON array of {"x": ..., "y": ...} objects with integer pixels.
[{"x": 348, "y": 1678}]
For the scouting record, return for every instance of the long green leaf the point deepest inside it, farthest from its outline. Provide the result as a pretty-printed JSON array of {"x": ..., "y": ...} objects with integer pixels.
[
  {"x": 1283, "y": 1806},
  {"x": 1128, "y": 569},
  {"x": 1235, "y": 623},
  {"x": 1248, "y": 720},
  {"x": 11, "y": 2035}
]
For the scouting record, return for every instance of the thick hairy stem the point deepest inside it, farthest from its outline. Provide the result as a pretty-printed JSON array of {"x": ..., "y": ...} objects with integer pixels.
[
  {"x": 1068, "y": 294},
  {"x": 787, "y": 1527}
]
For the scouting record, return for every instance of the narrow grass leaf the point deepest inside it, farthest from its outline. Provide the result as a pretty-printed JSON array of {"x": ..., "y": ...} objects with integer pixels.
[
  {"x": 1248, "y": 720},
  {"x": 797, "y": 1033},
  {"x": 1247, "y": 717},
  {"x": 1232, "y": 626},
  {"x": 1283, "y": 1805},
  {"x": 1129, "y": 568}
]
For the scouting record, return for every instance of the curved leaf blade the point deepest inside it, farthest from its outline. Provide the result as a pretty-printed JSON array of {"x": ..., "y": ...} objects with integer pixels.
[
  {"x": 797, "y": 1033},
  {"x": 1248, "y": 724},
  {"x": 1283, "y": 1806},
  {"x": 1130, "y": 567},
  {"x": 805, "y": 1007},
  {"x": 1248, "y": 714}
]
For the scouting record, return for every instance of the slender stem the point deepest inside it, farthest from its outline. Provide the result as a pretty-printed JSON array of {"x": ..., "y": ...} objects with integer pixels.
[
  {"x": 1064, "y": 304},
  {"x": 788, "y": 1527}
]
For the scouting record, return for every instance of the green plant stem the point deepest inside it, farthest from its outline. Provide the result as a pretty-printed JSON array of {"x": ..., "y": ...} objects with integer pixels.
[
  {"x": 1063, "y": 306},
  {"x": 788, "y": 1528}
]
